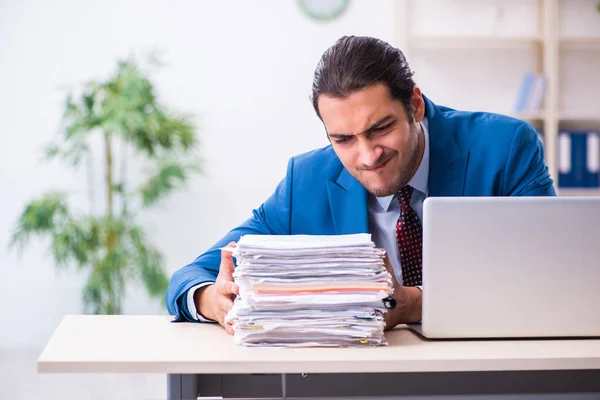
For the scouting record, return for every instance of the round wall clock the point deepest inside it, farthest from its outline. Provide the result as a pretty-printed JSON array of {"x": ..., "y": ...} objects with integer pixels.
[{"x": 323, "y": 9}]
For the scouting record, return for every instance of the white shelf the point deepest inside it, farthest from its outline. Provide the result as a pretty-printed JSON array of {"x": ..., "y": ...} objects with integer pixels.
[
  {"x": 579, "y": 116},
  {"x": 566, "y": 116},
  {"x": 473, "y": 41},
  {"x": 579, "y": 40},
  {"x": 579, "y": 192}
]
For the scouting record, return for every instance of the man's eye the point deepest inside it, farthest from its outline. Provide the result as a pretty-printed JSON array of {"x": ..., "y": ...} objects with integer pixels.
[
  {"x": 342, "y": 140},
  {"x": 382, "y": 128}
]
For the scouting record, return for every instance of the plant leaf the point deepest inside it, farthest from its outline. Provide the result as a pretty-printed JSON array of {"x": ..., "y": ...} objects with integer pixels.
[
  {"x": 93, "y": 298},
  {"x": 150, "y": 262},
  {"x": 77, "y": 240},
  {"x": 71, "y": 152},
  {"x": 41, "y": 216},
  {"x": 168, "y": 177}
]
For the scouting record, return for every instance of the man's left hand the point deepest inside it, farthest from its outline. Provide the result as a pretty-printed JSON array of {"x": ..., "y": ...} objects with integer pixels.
[{"x": 408, "y": 302}]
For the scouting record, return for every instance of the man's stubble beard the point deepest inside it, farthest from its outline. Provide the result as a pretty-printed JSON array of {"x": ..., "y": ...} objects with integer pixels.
[{"x": 405, "y": 174}]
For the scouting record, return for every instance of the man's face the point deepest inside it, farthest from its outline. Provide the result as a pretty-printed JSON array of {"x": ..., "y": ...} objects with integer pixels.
[{"x": 373, "y": 137}]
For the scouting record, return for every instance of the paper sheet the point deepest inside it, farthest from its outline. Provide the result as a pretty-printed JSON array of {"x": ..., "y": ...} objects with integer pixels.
[{"x": 303, "y": 290}]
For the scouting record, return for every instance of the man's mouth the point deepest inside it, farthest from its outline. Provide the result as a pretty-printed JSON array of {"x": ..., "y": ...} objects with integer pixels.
[{"x": 380, "y": 166}]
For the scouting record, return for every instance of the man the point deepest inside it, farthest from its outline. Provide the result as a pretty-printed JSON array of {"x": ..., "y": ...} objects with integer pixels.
[{"x": 391, "y": 147}]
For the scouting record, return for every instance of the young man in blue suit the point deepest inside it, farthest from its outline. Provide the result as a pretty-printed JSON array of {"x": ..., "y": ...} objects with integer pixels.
[{"x": 391, "y": 147}]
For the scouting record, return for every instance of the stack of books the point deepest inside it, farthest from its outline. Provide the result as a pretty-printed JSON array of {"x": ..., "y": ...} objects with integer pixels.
[{"x": 303, "y": 290}]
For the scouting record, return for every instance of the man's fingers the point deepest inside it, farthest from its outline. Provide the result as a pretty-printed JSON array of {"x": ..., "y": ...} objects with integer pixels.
[
  {"x": 228, "y": 288},
  {"x": 233, "y": 288},
  {"x": 390, "y": 269},
  {"x": 225, "y": 305},
  {"x": 229, "y": 328},
  {"x": 386, "y": 260},
  {"x": 227, "y": 265}
]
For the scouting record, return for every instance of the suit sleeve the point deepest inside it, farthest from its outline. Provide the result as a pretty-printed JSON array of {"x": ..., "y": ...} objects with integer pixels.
[
  {"x": 271, "y": 218},
  {"x": 526, "y": 173}
]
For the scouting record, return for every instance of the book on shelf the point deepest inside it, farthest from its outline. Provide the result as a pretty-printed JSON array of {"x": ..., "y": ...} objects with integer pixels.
[
  {"x": 579, "y": 159},
  {"x": 530, "y": 98}
]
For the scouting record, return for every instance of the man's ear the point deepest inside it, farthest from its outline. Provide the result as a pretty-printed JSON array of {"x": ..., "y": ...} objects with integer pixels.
[{"x": 418, "y": 104}]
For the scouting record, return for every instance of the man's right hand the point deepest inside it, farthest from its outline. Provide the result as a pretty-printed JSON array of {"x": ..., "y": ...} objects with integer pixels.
[{"x": 215, "y": 301}]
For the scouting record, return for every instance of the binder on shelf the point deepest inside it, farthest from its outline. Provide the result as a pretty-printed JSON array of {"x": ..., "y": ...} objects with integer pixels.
[
  {"x": 579, "y": 159},
  {"x": 593, "y": 159}
]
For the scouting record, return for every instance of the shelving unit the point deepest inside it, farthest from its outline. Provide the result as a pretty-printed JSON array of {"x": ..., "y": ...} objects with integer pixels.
[
  {"x": 579, "y": 192},
  {"x": 579, "y": 117},
  {"x": 579, "y": 40},
  {"x": 473, "y": 41},
  {"x": 545, "y": 45}
]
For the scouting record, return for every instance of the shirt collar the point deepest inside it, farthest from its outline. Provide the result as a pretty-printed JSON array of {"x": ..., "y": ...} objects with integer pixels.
[{"x": 420, "y": 179}]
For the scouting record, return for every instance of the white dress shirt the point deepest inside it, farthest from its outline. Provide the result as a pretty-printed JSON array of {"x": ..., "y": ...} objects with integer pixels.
[
  {"x": 385, "y": 211},
  {"x": 383, "y": 216}
]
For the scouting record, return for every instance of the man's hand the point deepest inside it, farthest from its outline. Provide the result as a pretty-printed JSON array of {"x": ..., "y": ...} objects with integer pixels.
[
  {"x": 408, "y": 302},
  {"x": 215, "y": 301}
]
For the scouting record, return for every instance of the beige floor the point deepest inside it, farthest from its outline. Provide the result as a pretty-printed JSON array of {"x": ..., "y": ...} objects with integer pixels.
[{"x": 19, "y": 380}]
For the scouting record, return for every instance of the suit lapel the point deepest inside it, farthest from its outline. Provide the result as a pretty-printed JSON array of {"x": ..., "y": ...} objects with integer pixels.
[
  {"x": 447, "y": 164},
  {"x": 348, "y": 203}
]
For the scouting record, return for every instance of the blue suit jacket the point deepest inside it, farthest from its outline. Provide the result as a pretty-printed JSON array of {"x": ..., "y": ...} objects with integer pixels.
[{"x": 471, "y": 154}]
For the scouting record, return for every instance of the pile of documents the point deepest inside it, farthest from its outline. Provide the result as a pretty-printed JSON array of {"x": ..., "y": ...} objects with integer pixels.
[{"x": 304, "y": 290}]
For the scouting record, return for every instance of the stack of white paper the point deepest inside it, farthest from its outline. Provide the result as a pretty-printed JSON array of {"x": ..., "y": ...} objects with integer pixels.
[{"x": 302, "y": 290}]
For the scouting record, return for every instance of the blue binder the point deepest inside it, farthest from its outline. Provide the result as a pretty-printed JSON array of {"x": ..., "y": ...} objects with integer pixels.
[
  {"x": 593, "y": 159},
  {"x": 579, "y": 154}
]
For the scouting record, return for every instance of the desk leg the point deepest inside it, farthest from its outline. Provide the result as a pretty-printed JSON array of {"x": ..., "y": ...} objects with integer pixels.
[{"x": 182, "y": 387}]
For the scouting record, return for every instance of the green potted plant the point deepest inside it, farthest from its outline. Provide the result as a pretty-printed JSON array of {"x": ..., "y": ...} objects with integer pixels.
[{"x": 110, "y": 245}]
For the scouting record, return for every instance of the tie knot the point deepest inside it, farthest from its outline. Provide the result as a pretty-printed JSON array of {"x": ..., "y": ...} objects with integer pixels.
[{"x": 404, "y": 196}]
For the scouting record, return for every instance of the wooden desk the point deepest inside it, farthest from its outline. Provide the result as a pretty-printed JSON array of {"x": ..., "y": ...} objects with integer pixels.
[{"x": 202, "y": 357}]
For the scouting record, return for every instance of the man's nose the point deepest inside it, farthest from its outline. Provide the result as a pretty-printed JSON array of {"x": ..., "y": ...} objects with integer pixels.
[{"x": 369, "y": 153}]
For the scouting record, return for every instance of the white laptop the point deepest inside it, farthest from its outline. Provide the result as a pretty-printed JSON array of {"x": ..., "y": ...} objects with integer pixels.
[{"x": 507, "y": 267}]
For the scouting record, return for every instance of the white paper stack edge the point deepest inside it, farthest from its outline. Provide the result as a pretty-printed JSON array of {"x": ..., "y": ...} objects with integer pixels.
[{"x": 304, "y": 290}]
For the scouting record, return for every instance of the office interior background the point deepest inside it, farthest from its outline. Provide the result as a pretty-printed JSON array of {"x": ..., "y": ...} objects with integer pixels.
[{"x": 243, "y": 70}]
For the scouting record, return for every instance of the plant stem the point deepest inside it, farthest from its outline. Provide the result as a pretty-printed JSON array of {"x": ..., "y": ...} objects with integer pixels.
[
  {"x": 90, "y": 183},
  {"x": 109, "y": 175},
  {"x": 110, "y": 240},
  {"x": 123, "y": 178}
]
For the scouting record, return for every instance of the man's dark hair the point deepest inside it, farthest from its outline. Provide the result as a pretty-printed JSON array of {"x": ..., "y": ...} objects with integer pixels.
[{"x": 355, "y": 62}]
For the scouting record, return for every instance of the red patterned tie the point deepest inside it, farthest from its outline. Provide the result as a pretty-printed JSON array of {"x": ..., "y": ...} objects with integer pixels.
[{"x": 410, "y": 240}]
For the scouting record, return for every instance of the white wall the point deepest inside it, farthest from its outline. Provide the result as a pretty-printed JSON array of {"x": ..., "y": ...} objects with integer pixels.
[{"x": 245, "y": 68}]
